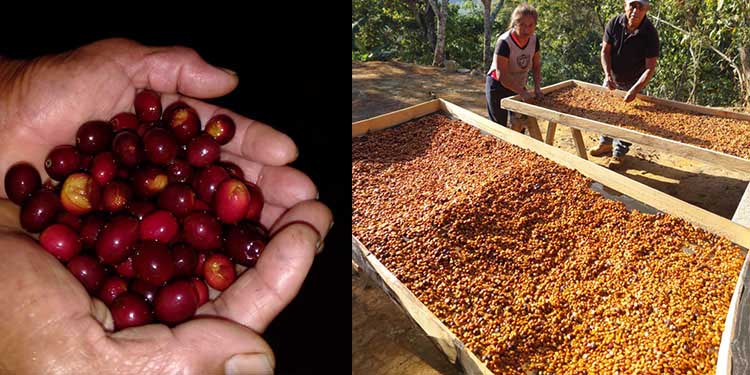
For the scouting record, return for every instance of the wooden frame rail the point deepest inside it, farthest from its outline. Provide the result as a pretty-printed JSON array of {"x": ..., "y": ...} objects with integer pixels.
[{"x": 576, "y": 123}]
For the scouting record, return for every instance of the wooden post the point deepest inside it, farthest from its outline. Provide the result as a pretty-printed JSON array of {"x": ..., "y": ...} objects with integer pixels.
[
  {"x": 533, "y": 127},
  {"x": 550, "y": 139},
  {"x": 578, "y": 140}
]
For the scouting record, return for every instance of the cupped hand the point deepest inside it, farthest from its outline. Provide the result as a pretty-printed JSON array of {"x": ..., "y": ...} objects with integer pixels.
[{"x": 49, "y": 323}]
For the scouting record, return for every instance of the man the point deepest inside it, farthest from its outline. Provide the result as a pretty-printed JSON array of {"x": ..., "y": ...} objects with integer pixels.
[{"x": 629, "y": 52}]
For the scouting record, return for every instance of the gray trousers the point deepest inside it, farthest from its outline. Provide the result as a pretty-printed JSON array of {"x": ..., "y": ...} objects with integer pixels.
[{"x": 620, "y": 147}]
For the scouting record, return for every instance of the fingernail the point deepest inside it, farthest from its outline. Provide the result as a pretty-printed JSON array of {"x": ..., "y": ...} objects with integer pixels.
[
  {"x": 256, "y": 363},
  {"x": 319, "y": 246},
  {"x": 317, "y": 196},
  {"x": 230, "y": 71},
  {"x": 330, "y": 226}
]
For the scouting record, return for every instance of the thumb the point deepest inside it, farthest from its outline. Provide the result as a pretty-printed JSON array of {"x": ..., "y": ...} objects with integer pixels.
[
  {"x": 170, "y": 69},
  {"x": 203, "y": 345},
  {"x": 226, "y": 346}
]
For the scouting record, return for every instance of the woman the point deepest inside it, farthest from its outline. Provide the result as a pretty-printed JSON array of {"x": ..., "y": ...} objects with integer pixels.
[{"x": 516, "y": 52}]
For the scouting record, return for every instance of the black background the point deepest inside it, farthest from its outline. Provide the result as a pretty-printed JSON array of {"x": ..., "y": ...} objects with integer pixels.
[{"x": 292, "y": 78}]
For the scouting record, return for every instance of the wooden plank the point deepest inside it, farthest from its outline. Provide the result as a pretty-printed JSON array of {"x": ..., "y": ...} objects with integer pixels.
[
  {"x": 578, "y": 140},
  {"x": 663, "y": 144},
  {"x": 671, "y": 103},
  {"x": 735, "y": 356},
  {"x": 440, "y": 335},
  {"x": 742, "y": 213},
  {"x": 646, "y": 194},
  {"x": 550, "y": 138},
  {"x": 394, "y": 118}
]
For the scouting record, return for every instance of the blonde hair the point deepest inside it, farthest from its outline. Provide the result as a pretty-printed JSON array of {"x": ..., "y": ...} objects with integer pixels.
[{"x": 521, "y": 11}]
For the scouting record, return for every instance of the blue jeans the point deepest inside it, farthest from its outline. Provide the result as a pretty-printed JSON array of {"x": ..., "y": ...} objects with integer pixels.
[{"x": 620, "y": 147}]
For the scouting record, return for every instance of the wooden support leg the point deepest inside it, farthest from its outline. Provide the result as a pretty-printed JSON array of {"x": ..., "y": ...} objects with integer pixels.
[
  {"x": 578, "y": 140},
  {"x": 533, "y": 128},
  {"x": 551, "y": 127}
]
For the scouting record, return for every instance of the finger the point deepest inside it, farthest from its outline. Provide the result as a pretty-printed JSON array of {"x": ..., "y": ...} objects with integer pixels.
[
  {"x": 282, "y": 186},
  {"x": 201, "y": 345},
  {"x": 211, "y": 343},
  {"x": 263, "y": 291},
  {"x": 253, "y": 140},
  {"x": 171, "y": 69},
  {"x": 313, "y": 212}
]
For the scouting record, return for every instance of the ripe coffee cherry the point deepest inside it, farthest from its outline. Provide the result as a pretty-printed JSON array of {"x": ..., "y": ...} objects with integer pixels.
[
  {"x": 180, "y": 171},
  {"x": 127, "y": 148},
  {"x": 218, "y": 271},
  {"x": 202, "y": 151},
  {"x": 160, "y": 146},
  {"x": 185, "y": 259},
  {"x": 94, "y": 136},
  {"x": 124, "y": 120},
  {"x": 233, "y": 169},
  {"x": 111, "y": 288},
  {"x": 202, "y": 231},
  {"x": 153, "y": 263},
  {"x": 160, "y": 226},
  {"x": 245, "y": 242},
  {"x": 40, "y": 210},
  {"x": 177, "y": 198},
  {"x": 66, "y": 218},
  {"x": 145, "y": 289},
  {"x": 21, "y": 180},
  {"x": 116, "y": 195},
  {"x": 256, "y": 201},
  {"x": 62, "y": 161},
  {"x": 231, "y": 201},
  {"x": 149, "y": 181},
  {"x": 139, "y": 209},
  {"x": 176, "y": 302},
  {"x": 116, "y": 240},
  {"x": 60, "y": 241},
  {"x": 88, "y": 271},
  {"x": 207, "y": 180},
  {"x": 184, "y": 122},
  {"x": 125, "y": 268},
  {"x": 147, "y": 105},
  {"x": 202, "y": 289},
  {"x": 103, "y": 167},
  {"x": 221, "y": 128},
  {"x": 80, "y": 193},
  {"x": 130, "y": 310},
  {"x": 91, "y": 226}
]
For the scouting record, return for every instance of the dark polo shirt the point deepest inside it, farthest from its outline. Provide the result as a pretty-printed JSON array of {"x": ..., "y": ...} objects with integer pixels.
[{"x": 630, "y": 50}]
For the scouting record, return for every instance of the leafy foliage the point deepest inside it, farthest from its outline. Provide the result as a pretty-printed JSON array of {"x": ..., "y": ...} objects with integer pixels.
[{"x": 700, "y": 41}]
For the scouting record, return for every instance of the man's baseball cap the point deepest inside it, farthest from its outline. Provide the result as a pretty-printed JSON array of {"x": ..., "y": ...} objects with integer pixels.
[{"x": 644, "y": 2}]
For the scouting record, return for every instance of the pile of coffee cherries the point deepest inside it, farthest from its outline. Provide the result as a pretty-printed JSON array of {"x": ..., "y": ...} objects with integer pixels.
[{"x": 143, "y": 212}]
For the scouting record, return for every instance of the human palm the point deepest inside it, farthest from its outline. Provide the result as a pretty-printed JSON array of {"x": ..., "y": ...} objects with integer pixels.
[{"x": 53, "y": 325}]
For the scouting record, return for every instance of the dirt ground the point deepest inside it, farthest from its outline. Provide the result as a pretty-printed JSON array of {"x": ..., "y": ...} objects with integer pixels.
[{"x": 384, "y": 340}]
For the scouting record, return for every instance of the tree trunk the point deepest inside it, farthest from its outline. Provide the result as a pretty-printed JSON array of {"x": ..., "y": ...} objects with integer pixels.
[
  {"x": 489, "y": 18},
  {"x": 487, "y": 60},
  {"x": 425, "y": 18},
  {"x": 442, "y": 12},
  {"x": 745, "y": 74}
]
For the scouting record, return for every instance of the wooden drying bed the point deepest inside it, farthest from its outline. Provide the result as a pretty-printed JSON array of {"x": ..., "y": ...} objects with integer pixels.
[
  {"x": 454, "y": 349},
  {"x": 577, "y": 123}
]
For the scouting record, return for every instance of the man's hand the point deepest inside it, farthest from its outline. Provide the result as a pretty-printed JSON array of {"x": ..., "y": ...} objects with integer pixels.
[
  {"x": 526, "y": 96},
  {"x": 610, "y": 82},
  {"x": 50, "y": 324},
  {"x": 631, "y": 95},
  {"x": 538, "y": 92}
]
